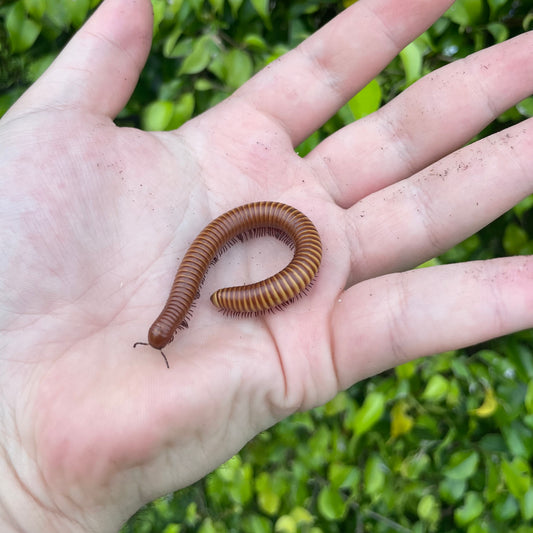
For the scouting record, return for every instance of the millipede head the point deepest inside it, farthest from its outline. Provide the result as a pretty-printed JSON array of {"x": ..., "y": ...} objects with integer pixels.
[{"x": 159, "y": 349}]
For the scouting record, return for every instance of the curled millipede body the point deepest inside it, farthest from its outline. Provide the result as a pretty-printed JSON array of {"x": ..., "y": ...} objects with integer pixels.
[{"x": 282, "y": 220}]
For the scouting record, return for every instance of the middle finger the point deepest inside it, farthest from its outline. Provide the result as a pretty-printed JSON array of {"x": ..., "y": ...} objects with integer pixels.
[{"x": 435, "y": 116}]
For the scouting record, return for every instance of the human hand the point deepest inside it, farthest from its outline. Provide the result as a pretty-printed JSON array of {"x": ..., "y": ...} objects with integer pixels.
[{"x": 96, "y": 217}]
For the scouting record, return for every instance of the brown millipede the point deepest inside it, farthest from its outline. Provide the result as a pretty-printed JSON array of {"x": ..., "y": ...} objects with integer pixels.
[{"x": 284, "y": 221}]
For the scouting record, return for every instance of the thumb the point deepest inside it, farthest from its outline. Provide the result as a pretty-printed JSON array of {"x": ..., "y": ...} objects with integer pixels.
[{"x": 99, "y": 68}]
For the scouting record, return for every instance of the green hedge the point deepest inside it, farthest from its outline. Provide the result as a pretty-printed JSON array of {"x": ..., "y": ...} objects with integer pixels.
[{"x": 439, "y": 444}]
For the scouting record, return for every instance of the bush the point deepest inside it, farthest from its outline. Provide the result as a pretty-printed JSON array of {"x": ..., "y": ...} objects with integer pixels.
[{"x": 439, "y": 444}]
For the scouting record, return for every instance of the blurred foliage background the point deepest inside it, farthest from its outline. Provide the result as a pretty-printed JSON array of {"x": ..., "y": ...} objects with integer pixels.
[{"x": 439, "y": 444}]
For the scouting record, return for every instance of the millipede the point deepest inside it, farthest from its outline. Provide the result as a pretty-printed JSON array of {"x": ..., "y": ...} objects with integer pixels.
[{"x": 257, "y": 218}]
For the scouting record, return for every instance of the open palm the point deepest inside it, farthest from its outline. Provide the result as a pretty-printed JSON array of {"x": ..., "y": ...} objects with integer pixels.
[{"x": 95, "y": 219}]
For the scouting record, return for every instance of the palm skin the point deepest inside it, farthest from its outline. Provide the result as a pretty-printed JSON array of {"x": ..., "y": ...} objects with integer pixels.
[{"x": 95, "y": 219}]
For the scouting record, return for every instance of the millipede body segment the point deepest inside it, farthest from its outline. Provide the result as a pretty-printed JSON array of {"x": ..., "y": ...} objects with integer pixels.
[{"x": 271, "y": 293}]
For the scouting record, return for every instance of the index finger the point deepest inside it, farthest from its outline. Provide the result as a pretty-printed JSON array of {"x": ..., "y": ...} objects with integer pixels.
[{"x": 305, "y": 87}]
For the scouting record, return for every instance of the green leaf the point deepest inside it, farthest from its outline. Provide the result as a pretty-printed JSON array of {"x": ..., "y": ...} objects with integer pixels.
[
  {"x": 182, "y": 111},
  {"x": 465, "y": 12},
  {"x": 235, "y": 6},
  {"x": 462, "y": 465},
  {"x": 170, "y": 41},
  {"x": 286, "y": 524},
  {"x": 203, "y": 84},
  {"x": 192, "y": 516},
  {"x": 478, "y": 527},
  {"x": 493, "y": 482},
  {"x": 182, "y": 48},
  {"x": 525, "y": 107},
  {"x": 255, "y": 42},
  {"x": 527, "y": 23},
  {"x": 343, "y": 476},
  {"x": 208, "y": 526},
  {"x": 240, "y": 488},
  {"x": 436, "y": 389},
  {"x": 37, "y": 68},
  {"x": 238, "y": 68},
  {"x": 197, "y": 6},
  {"x": 528, "y": 400},
  {"x": 268, "y": 499},
  {"x": 452, "y": 490},
  {"x": 517, "y": 477},
  {"x": 495, "y": 6},
  {"x": 366, "y": 101},
  {"x": 406, "y": 370},
  {"x": 278, "y": 51},
  {"x": 519, "y": 439},
  {"x": 411, "y": 57},
  {"x": 506, "y": 508},
  {"x": 330, "y": 504},
  {"x": 453, "y": 397},
  {"x": 157, "y": 115},
  {"x": 22, "y": 31},
  {"x": 416, "y": 465},
  {"x": 369, "y": 413},
  {"x": 428, "y": 509},
  {"x": 60, "y": 13},
  {"x": 526, "y": 505},
  {"x": 338, "y": 404},
  {"x": 77, "y": 11},
  {"x": 470, "y": 510},
  {"x": 217, "y": 5},
  {"x": 7, "y": 100},
  {"x": 302, "y": 516},
  {"x": 174, "y": 9},
  {"x": 35, "y": 8},
  {"x": 172, "y": 528},
  {"x": 514, "y": 239},
  {"x": 255, "y": 523},
  {"x": 202, "y": 52},
  {"x": 374, "y": 476},
  {"x": 162, "y": 506},
  {"x": 261, "y": 6},
  {"x": 499, "y": 31},
  {"x": 158, "y": 8}
]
